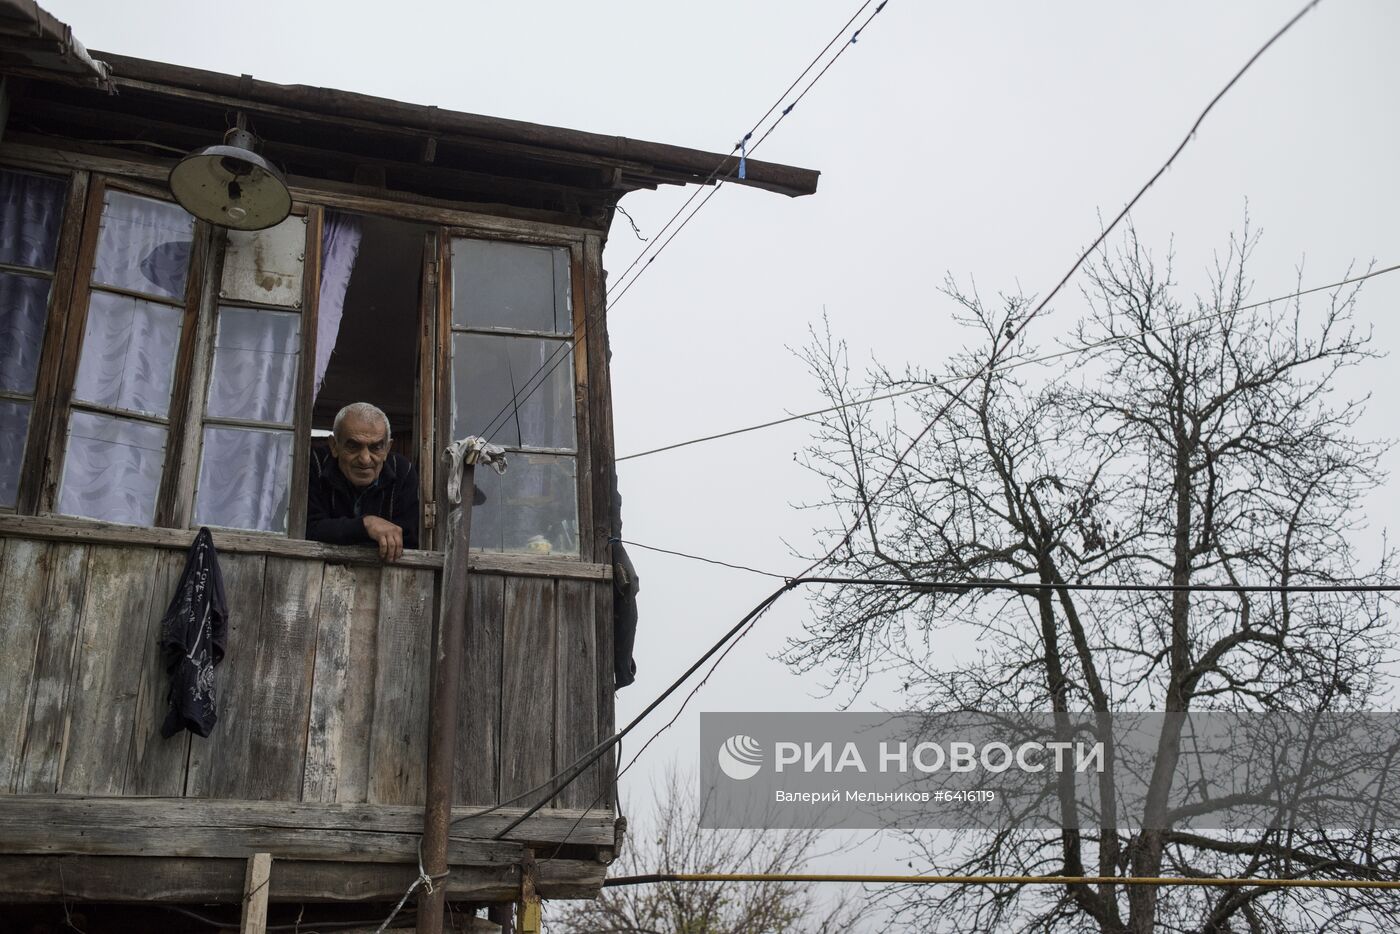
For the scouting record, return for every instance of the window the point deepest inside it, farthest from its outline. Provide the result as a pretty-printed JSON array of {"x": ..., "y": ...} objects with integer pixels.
[
  {"x": 194, "y": 365},
  {"x": 31, "y": 211},
  {"x": 119, "y": 423},
  {"x": 245, "y": 466},
  {"x": 368, "y": 320},
  {"x": 513, "y": 380}
]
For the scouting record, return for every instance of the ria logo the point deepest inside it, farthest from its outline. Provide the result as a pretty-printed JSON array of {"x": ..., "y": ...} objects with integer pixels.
[{"x": 740, "y": 757}]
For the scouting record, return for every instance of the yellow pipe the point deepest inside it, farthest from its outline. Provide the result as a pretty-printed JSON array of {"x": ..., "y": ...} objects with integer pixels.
[{"x": 1008, "y": 880}]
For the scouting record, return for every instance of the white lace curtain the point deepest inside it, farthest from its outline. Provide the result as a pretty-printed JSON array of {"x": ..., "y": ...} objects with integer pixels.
[{"x": 112, "y": 466}]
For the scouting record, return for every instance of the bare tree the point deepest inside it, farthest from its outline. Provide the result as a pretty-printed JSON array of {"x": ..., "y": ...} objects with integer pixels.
[
  {"x": 1187, "y": 444},
  {"x": 675, "y": 844}
]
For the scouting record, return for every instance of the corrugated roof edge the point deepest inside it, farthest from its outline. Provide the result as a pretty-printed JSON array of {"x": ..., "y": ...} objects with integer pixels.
[{"x": 671, "y": 163}]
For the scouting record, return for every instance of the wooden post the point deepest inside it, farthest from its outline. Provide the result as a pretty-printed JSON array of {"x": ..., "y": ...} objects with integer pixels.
[
  {"x": 447, "y": 677},
  {"x": 255, "y": 883},
  {"x": 529, "y": 915},
  {"x": 502, "y": 915}
]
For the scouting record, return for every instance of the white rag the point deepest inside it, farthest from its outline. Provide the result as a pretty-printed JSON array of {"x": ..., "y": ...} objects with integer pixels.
[{"x": 470, "y": 450}]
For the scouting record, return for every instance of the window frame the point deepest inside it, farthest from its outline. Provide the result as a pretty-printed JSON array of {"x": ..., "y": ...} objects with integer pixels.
[
  {"x": 580, "y": 353},
  {"x": 75, "y": 325},
  {"x": 89, "y": 177},
  {"x": 46, "y": 382},
  {"x": 184, "y": 497}
]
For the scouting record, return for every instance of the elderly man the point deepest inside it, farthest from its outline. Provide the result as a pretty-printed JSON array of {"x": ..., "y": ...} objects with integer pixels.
[{"x": 360, "y": 492}]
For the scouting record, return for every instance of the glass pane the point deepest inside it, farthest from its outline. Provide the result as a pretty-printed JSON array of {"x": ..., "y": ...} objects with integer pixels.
[
  {"x": 255, "y": 365},
  {"x": 533, "y": 508},
  {"x": 510, "y": 285},
  {"x": 14, "y": 425},
  {"x": 128, "y": 359},
  {"x": 31, "y": 210},
  {"x": 24, "y": 305},
  {"x": 112, "y": 469},
  {"x": 243, "y": 479},
  {"x": 144, "y": 245},
  {"x": 491, "y": 373},
  {"x": 265, "y": 265}
]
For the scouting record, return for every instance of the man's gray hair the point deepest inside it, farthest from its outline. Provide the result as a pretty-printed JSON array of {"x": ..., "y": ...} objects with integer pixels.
[{"x": 365, "y": 411}]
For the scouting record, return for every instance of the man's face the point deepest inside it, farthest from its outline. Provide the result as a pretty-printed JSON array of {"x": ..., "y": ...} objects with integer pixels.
[{"x": 360, "y": 449}]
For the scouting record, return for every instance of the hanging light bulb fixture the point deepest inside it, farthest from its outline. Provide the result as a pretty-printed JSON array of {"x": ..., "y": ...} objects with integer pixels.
[{"x": 230, "y": 185}]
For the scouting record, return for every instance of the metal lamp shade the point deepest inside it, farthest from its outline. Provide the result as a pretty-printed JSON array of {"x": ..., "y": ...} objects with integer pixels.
[{"x": 231, "y": 186}]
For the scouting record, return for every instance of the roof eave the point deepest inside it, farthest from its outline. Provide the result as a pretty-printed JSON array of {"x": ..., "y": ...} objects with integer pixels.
[{"x": 671, "y": 164}]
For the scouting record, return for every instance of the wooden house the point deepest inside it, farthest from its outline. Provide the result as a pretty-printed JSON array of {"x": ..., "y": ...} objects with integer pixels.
[{"x": 159, "y": 374}]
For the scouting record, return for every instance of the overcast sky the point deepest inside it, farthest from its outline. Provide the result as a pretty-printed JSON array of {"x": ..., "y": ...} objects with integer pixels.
[{"x": 980, "y": 139}]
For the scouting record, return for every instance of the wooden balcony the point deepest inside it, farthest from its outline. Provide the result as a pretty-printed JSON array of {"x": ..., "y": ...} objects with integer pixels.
[{"x": 319, "y": 753}]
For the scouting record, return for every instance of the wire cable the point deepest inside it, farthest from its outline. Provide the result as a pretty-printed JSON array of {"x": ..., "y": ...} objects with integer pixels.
[
  {"x": 570, "y": 774},
  {"x": 781, "y": 117},
  {"x": 564, "y": 350},
  {"x": 726, "y": 564},
  {"x": 1027, "y": 361},
  {"x": 1011, "y": 337},
  {"x": 714, "y": 173}
]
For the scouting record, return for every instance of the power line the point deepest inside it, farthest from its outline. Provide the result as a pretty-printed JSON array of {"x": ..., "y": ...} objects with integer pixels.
[
  {"x": 1011, "y": 337},
  {"x": 1027, "y": 361},
  {"x": 753, "y": 129},
  {"x": 726, "y": 564},
  {"x": 567, "y": 776},
  {"x": 562, "y": 352},
  {"x": 1014, "y": 333}
]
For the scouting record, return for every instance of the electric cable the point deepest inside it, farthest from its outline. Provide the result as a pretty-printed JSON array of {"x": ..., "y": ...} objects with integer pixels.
[
  {"x": 568, "y": 775},
  {"x": 714, "y": 173},
  {"x": 1011, "y": 335},
  {"x": 1014, "y": 364},
  {"x": 725, "y": 564},
  {"x": 565, "y": 349}
]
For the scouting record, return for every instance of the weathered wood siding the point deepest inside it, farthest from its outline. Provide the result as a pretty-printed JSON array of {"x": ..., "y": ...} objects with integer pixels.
[{"x": 323, "y": 694}]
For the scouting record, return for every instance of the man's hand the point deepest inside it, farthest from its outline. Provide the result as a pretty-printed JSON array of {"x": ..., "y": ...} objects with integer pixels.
[{"x": 387, "y": 535}]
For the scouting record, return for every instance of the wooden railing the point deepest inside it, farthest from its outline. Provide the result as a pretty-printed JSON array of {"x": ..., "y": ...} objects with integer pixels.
[{"x": 322, "y": 696}]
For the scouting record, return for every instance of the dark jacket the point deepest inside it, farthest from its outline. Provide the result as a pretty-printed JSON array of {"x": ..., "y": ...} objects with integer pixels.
[
  {"x": 331, "y": 513},
  {"x": 192, "y": 635}
]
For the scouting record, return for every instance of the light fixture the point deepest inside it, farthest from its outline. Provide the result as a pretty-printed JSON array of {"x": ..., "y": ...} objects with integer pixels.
[{"x": 231, "y": 186}]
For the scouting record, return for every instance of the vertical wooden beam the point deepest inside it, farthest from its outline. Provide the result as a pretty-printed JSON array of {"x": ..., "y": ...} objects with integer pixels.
[
  {"x": 255, "y": 885},
  {"x": 425, "y": 392},
  {"x": 529, "y": 913},
  {"x": 447, "y": 676},
  {"x": 71, "y": 237},
  {"x": 306, "y": 375},
  {"x": 186, "y": 406},
  {"x": 183, "y": 469}
]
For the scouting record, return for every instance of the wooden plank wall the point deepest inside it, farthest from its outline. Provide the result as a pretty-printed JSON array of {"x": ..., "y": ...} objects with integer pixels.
[{"x": 324, "y": 690}]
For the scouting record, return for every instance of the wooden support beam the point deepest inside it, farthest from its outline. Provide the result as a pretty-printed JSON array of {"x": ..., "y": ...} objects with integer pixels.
[
  {"x": 194, "y": 827},
  {"x": 90, "y": 531},
  {"x": 447, "y": 679},
  {"x": 256, "y": 883},
  {"x": 529, "y": 914},
  {"x": 176, "y": 880}
]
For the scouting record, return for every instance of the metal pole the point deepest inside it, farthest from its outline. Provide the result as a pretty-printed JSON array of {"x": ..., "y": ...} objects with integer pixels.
[{"x": 447, "y": 679}]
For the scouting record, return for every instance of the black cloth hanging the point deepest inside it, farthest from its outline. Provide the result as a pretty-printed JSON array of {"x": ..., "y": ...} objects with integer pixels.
[
  {"x": 625, "y": 587},
  {"x": 192, "y": 636}
]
